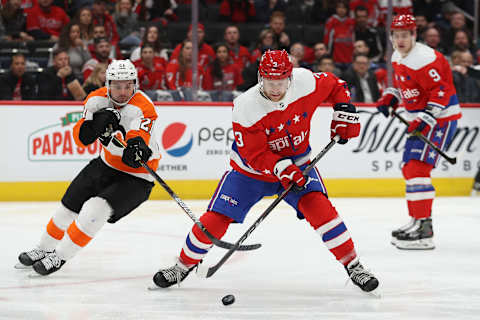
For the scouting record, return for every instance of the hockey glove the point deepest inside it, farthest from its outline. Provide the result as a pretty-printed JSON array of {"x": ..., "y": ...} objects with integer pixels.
[
  {"x": 345, "y": 122},
  {"x": 136, "y": 151},
  {"x": 106, "y": 121},
  {"x": 388, "y": 101},
  {"x": 423, "y": 123},
  {"x": 289, "y": 173}
]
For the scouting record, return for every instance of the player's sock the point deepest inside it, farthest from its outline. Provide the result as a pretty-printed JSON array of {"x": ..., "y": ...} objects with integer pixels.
[
  {"x": 54, "y": 232},
  {"x": 197, "y": 243},
  {"x": 419, "y": 189},
  {"x": 323, "y": 217},
  {"x": 93, "y": 216}
]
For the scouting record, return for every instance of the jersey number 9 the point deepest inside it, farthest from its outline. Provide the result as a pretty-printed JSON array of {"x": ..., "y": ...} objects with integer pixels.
[{"x": 434, "y": 74}]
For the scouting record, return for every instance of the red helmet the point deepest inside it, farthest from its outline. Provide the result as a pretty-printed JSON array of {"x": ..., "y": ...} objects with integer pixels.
[
  {"x": 275, "y": 64},
  {"x": 403, "y": 22}
]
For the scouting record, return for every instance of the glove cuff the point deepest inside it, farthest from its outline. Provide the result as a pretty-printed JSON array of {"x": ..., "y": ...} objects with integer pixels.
[
  {"x": 348, "y": 117},
  {"x": 428, "y": 119},
  {"x": 281, "y": 165}
]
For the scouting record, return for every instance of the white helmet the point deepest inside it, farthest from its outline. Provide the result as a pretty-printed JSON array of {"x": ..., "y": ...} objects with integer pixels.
[{"x": 121, "y": 70}]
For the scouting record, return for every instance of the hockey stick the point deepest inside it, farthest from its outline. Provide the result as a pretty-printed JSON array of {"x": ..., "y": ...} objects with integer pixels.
[
  {"x": 186, "y": 209},
  {"x": 452, "y": 160},
  {"x": 207, "y": 272}
]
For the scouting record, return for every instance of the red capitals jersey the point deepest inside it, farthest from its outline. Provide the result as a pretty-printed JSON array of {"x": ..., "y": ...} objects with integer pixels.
[
  {"x": 424, "y": 78},
  {"x": 174, "y": 80},
  {"x": 240, "y": 56},
  {"x": 151, "y": 79},
  {"x": 205, "y": 54},
  {"x": 267, "y": 131},
  {"x": 232, "y": 77},
  {"x": 339, "y": 38},
  {"x": 49, "y": 21}
]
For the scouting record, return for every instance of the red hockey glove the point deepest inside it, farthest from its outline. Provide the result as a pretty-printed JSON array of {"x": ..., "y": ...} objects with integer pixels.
[
  {"x": 345, "y": 122},
  {"x": 289, "y": 173},
  {"x": 424, "y": 122},
  {"x": 389, "y": 99}
]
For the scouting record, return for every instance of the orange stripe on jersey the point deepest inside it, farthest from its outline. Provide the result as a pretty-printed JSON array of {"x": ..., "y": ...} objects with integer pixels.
[
  {"x": 54, "y": 231},
  {"x": 76, "y": 133},
  {"x": 116, "y": 162},
  {"x": 101, "y": 92},
  {"x": 78, "y": 236}
]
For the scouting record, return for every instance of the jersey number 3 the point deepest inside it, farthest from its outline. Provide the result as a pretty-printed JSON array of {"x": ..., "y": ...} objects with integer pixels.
[{"x": 239, "y": 139}]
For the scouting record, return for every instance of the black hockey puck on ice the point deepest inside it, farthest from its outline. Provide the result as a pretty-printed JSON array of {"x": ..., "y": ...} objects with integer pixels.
[{"x": 228, "y": 299}]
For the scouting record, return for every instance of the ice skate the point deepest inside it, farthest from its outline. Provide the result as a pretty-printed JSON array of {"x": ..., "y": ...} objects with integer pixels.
[
  {"x": 165, "y": 278},
  {"x": 49, "y": 264},
  {"x": 28, "y": 258},
  {"x": 361, "y": 277},
  {"x": 476, "y": 190},
  {"x": 402, "y": 229},
  {"x": 419, "y": 237}
]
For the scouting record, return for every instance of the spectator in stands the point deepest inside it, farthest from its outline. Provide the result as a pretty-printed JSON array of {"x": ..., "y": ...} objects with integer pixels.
[
  {"x": 16, "y": 84},
  {"x": 457, "y": 22},
  {"x": 58, "y": 81},
  {"x": 156, "y": 11},
  {"x": 100, "y": 16},
  {"x": 264, "y": 42},
  {"x": 151, "y": 69},
  {"x": 326, "y": 64},
  {"x": 265, "y": 8},
  {"x": 45, "y": 21},
  {"x": 319, "y": 50},
  {"x": 298, "y": 52},
  {"x": 97, "y": 78},
  {"x": 152, "y": 37},
  {"x": 222, "y": 75},
  {"x": 361, "y": 47},
  {"x": 240, "y": 54},
  {"x": 102, "y": 55},
  {"x": 237, "y": 11},
  {"x": 372, "y": 8},
  {"x": 14, "y": 21},
  {"x": 281, "y": 40},
  {"x": 361, "y": 82},
  {"x": 468, "y": 89},
  {"x": 431, "y": 37},
  {"x": 179, "y": 71},
  {"x": 77, "y": 50},
  {"x": 84, "y": 19},
  {"x": 462, "y": 41},
  {"x": 368, "y": 34},
  {"x": 339, "y": 33},
  {"x": 127, "y": 25},
  {"x": 205, "y": 52},
  {"x": 24, "y": 4},
  {"x": 422, "y": 25}
]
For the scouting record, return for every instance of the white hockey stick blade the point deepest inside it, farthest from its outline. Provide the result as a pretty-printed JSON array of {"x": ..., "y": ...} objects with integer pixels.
[{"x": 21, "y": 266}]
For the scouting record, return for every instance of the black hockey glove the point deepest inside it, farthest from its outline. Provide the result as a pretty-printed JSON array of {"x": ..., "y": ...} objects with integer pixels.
[
  {"x": 105, "y": 121},
  {"x": 136, "y": 151}
]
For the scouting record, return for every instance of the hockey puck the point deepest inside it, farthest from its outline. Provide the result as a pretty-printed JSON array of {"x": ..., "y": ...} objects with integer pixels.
[{"x": 228, "y": 299}]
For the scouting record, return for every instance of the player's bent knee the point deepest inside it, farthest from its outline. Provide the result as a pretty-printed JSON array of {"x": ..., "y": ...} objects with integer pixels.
[
  {"x": 416, "y": 168},
  {"x": 95, "y": 212},
  {"x": 317, "y": 209}
]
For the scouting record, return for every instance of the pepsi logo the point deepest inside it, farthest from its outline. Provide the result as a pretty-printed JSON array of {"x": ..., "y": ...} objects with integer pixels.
[{"x": 177, "y": 140}]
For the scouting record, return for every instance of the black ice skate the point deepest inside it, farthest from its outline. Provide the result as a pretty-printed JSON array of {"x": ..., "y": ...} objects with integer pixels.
[
  {"x": 402, "y": 229},
  {"x": 49, "y": 264},
  {"x": 165, "y": 278},
  {"x": 28, "y": 258},
  {"x": 361, "y": 277},
  {"x": 419, "y": 237}
]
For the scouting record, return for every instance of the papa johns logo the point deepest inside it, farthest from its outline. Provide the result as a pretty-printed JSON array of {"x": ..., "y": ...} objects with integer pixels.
[{"x": 177, "y": 140}]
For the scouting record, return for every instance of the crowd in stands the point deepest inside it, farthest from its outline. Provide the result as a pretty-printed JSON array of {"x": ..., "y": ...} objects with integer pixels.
[{"x": 59, "y": 49}]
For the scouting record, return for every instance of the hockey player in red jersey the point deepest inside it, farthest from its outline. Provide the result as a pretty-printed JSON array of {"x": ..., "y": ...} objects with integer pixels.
[
  {"x": 110, "y": 186},
  {"x": 423, "y": 83},
  {"x": 271, "y": 125}
]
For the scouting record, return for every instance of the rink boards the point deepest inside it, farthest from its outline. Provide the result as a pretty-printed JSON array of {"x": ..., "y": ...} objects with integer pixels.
[{"x": 39, "y": 156}]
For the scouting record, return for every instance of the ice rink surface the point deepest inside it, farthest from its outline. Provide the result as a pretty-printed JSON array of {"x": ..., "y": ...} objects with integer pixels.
[{"x": 293, "y": 276}]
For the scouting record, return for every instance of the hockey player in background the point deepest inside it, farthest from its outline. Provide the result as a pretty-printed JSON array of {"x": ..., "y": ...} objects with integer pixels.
[
  {"x": 110, "y": 186},
  {"x": 271, "y": 125},
  {"x": 423, "y": 83}
]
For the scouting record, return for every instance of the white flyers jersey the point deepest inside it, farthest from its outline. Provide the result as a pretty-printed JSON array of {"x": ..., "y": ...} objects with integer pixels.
[
  {"x": 137, "y": 118},
  {"x": 424, "y": 78},
  {"x": 267, "y": 131}
]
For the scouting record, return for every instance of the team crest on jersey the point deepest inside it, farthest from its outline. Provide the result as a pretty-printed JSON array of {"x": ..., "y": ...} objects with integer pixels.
[
  {"x": 410, "y": 93},
  {"x": 286, "y": 141}
]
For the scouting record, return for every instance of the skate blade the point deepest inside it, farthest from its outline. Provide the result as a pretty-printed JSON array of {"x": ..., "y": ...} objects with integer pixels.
[
  {"x": 376, "y": 293},
  {"x": 154, "y": 287},
  {"x": 35, "y": 275},
  {"x": 21, "y": 266},
  {"x": 424, "y": 244},
  {"x": 394, "y": 241}
]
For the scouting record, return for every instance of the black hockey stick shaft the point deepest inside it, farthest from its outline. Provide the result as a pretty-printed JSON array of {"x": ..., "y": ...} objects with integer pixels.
[
  {"x": 426, "y": 140},
  {"x": 214, "y": 268},
  {"x": 186, "y": 209}
]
